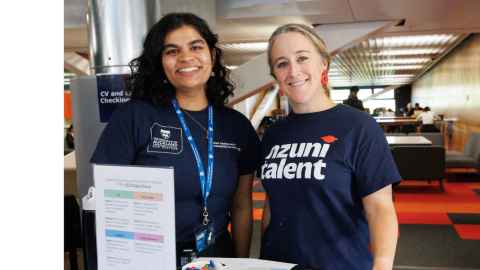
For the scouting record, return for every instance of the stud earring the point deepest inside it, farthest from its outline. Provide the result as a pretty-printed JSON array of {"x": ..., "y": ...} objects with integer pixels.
[{"x": 212, "y": 74}]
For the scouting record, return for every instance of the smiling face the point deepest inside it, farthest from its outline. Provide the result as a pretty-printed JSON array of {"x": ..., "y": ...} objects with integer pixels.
[
  {"x": 297, "y": 66},
  {"x": 186, "y": 59}
]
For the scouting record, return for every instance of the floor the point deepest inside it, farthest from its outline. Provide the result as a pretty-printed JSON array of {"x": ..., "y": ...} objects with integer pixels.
[{"x": 438, "y": 230}]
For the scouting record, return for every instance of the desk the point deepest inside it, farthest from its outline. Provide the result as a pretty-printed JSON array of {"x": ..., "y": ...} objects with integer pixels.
[
  {"x": 392, "y": 117},
  {"x": 397, "y": 121},
  {"x": 407, "y": 140}
]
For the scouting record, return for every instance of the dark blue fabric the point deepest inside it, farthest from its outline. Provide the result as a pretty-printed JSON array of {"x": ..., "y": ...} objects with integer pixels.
[
  {"x": 316, "y": 190},
  {"x": 141, "y": 134}
]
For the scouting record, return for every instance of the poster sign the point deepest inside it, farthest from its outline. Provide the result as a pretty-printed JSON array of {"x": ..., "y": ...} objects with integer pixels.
[
  {"x": 135, "y": 217},
  {"x": 111, "y": 93}
]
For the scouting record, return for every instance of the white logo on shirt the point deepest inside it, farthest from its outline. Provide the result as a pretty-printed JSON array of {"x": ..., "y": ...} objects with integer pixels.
[
  {"x": 165, "y": 134},
  {"x": 165, "y": 139},
  {"x": 276, "y": 166}
]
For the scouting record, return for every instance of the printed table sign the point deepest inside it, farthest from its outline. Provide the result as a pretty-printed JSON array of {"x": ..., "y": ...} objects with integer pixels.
[{"x": 135, "y": 217}]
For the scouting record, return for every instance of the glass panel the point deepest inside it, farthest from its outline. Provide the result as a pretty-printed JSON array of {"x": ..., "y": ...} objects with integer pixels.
[
  {"x": 364, "y": 93},
  {"x": 372, "y": 104},
  {"x": 339, "y": 95},
  {"x": 376, "y": 90},
  {"x": 386, "y": 95}
]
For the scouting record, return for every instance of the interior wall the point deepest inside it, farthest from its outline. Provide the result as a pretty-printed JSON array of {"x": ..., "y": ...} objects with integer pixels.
[{"x": 452, "y": 88}]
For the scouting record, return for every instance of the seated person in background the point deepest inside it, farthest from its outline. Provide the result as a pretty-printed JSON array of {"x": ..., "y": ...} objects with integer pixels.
[
  {"x": 389, "y": 113},
  {"x": 427, "y": 117},
  {"x": 417, "y": 110},
  {"x": 353, "y": 100}
]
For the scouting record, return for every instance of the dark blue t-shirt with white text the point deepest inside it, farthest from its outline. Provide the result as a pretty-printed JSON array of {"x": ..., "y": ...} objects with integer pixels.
[
  {"x": 140, "y": 133},
  {"x": 316, "y": 169}
]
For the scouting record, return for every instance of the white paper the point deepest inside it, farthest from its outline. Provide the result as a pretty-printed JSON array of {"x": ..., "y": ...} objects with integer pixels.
[
  {"x": 135, "y": 217},
  {"x": 240, "y": 264}
]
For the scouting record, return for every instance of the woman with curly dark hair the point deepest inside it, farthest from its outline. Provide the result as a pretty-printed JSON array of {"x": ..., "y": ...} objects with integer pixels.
[{"x": 177, "y": 118}]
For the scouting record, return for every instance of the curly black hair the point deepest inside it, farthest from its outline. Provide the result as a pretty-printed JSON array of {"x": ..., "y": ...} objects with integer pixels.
[{"x": 148, "y": 81}]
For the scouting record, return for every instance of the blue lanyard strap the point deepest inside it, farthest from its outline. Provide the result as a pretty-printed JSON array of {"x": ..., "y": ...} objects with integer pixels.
[{"x": 205, "y": 182}]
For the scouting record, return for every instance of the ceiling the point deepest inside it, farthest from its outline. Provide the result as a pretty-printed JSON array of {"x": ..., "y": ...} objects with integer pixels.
[{"x": 398, "y": 55}]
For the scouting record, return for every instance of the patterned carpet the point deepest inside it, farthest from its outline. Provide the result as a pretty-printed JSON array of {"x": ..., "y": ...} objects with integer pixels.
[{"x": 438, "y": 229}]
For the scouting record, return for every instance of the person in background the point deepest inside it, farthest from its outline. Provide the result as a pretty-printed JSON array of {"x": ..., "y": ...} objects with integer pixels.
[
  {"x": 389, "y": 113},
  {"x": 353, "y": 100},
  {"x": 327, "y": 169},
  {"x": 179, "y": 90},
  {"x": 69, "y": 138},
  {"x": 264, "y": 124},
  {"x": 417, "y": 107},
  {"x": 428, "y": 120},
  {"x": 417, "y": 110}
]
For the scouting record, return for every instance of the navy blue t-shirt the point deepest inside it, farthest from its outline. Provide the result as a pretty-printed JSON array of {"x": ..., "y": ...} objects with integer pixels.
[
  {"x": 316, "y": 169},
  {"x": 140, "y": 133}
]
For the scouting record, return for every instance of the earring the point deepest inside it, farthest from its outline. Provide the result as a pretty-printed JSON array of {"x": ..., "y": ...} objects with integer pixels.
[
  {"x": 324, "y": 79},
  {"x": 212, "y": 74},
  {"x": 165, "y": 81}
]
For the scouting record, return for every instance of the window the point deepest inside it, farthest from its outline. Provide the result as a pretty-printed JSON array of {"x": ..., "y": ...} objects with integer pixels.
[
  {"x": 387, "y": 95},
  {"x": 364, "y": 93},
  {"x": 339, "y": 95},
  {"x": 372, "y": 104},
  {"x": 385, "y": 100}
]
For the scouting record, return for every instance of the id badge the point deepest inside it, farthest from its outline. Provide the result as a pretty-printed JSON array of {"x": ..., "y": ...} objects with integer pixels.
[{"x": 204, "y": 237}]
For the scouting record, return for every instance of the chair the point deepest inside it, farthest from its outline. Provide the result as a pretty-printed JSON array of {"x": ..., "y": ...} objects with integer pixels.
[
  {"x": 429, "y": 128},
  {"x": 469, "y": 158},
  {"x": 72, "y": 229},
  {"x": 408, "y": 129},
  {"x": 420, "y": 162}
]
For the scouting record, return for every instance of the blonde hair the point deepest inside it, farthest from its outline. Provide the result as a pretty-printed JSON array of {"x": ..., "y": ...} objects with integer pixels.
[{"x": 306, "y": 31}]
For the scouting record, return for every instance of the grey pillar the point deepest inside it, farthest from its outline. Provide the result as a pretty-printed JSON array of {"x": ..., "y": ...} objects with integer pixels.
[{"x": 116, "y": 30}]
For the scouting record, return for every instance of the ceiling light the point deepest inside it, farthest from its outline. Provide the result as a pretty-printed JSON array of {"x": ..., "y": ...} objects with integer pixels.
[
  {"x": 408, "y": 41},
  {"x": 408, "y": 51},
  {"x": 397, "y": 76},
  {"x": 245, "y": 46},
  {"x": 405, "y": 67},
  {"x": 415, "y": 60}
]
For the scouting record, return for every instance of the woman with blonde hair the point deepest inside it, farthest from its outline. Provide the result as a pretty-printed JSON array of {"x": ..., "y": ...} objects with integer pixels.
[{"x": 327, "y": 169}]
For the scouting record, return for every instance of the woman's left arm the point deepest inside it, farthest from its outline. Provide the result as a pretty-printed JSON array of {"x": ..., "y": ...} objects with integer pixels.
[
  {"x": 242, "y": 216},
  {"x": 383, "y": 227}
]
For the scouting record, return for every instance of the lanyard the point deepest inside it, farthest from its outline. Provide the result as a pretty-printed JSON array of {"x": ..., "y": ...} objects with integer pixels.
[{"x": 205, "y": 182}]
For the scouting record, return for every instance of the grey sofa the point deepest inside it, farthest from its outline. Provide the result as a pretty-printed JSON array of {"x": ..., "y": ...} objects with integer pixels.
[
  {"x": 420, "y": 162},
  {"x": 469, "y": 158}
]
